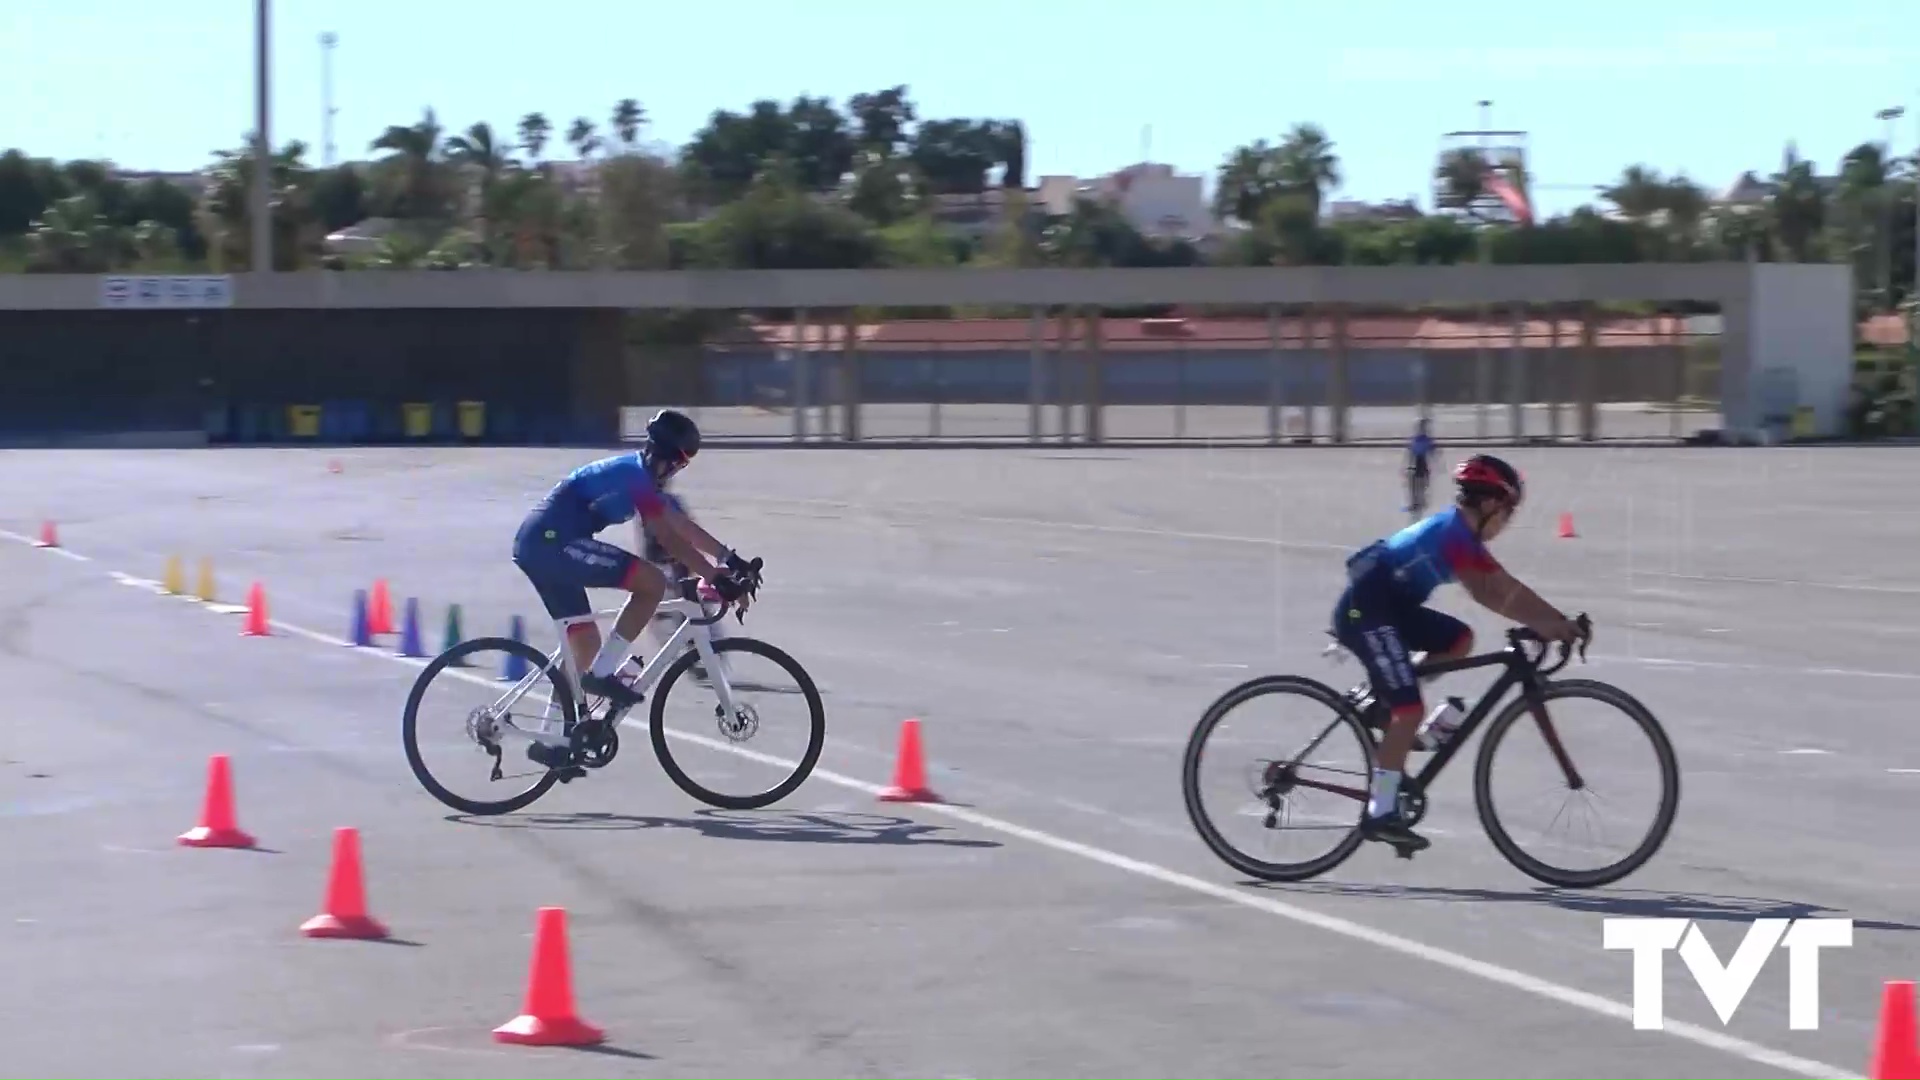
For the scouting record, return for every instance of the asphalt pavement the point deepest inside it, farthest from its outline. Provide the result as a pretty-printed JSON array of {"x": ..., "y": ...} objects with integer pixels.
[{"x": 1057, "y": 620}]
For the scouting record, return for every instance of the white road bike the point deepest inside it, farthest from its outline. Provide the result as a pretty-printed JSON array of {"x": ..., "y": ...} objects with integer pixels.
[{"x": 546, "y": 706}]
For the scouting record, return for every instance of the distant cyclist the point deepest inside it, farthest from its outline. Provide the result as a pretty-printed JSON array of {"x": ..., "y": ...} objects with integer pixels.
[
  {"x": 557, "y": 550},
  {"x": 1382, "y": 615},
  {"x": 1420, "y": 451}
]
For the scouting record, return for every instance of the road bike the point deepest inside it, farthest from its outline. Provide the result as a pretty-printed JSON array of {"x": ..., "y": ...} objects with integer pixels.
[
  {"x": 1275, "y": 783},
  {"x": 593, "y": 738}
]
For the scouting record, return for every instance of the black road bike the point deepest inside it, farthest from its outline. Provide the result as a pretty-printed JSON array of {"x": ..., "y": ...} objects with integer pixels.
[{"x": 1276, "y": 782}]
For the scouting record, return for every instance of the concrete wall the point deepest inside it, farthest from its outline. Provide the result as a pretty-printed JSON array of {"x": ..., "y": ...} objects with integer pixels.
[{"x": 1802, "y": 332}]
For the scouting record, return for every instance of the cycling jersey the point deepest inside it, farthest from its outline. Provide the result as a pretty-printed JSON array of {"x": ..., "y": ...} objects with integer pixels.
[
  {"x": 1424, "y": 556},
  {"x": 601, "y": 494},
  {"x": 555, "y": 546},
  {"x": 1420, "y": 448}
]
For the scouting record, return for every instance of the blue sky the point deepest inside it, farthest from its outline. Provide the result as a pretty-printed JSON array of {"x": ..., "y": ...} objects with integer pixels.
[{"x": 1709, "y": 87}]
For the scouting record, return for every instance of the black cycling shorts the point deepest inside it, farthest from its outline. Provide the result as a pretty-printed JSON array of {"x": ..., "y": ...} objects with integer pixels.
[
  {"x": 1378, "y": 624},
  {"x": 563, "y": 565}
]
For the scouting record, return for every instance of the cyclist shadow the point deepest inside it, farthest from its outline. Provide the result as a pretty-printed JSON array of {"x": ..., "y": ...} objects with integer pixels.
[
  {"x": 807, "y": 827},
  {"x": 1646, "y": 903}
]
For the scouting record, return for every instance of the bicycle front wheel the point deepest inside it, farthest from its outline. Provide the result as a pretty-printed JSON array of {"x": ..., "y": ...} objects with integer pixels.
[
  {"x": 1289, "y": 763},
  {"x": 1593, "y": 748},
  {"x": 772, "y": 736}
]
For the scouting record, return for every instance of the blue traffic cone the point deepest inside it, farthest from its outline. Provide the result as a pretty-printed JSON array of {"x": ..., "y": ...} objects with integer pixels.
[
  {"x": 410, "y": 633},
  {"x": 361, "y": 633},
  {"x": 516, "y": 668}
]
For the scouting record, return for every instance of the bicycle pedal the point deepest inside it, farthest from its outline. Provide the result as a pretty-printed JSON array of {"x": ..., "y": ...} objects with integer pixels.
[
  {"x": 570, "y": 773},
  {"x": 1405, "y": 853}
]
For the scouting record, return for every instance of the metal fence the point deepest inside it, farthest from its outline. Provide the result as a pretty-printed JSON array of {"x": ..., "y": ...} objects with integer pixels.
[{"x": 1289, "y": 378}]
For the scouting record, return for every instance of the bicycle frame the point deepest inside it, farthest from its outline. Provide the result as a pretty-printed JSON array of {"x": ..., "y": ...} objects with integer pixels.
[{"x": 694, "y": 621}]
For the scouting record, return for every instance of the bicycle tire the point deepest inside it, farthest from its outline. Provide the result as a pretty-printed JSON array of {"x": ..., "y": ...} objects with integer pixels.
[
  {"x": 816, "y": 739},
  {"x": 409, "y": 735},
  {"x": 1190, "y": 777},
  {"x": 1669, "y": 781}
]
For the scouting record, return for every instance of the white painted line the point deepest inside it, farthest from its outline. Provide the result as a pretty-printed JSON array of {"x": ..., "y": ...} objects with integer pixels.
[
  {"x": 1904, "y": 771},
  {"x": 1466, "y": 965},
  {"x": 1806, "y": 750}
]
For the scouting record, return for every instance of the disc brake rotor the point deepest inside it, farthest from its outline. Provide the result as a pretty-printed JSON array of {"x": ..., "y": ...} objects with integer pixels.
[{"x": 739, "y": 727}]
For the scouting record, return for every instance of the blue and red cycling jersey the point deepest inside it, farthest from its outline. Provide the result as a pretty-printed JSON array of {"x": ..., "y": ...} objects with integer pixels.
[
  {"x": 1425, "y": 555},
  {"x": 603, "y": 493}
]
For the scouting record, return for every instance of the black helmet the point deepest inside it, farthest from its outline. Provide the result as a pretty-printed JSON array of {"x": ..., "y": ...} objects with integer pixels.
[
  {"x": 672, "y": 441},
  {"x": 1486, "y": 475}
]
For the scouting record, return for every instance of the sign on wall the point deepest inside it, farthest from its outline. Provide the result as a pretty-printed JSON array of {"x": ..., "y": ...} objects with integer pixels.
[{"x": 167, "y": 291}]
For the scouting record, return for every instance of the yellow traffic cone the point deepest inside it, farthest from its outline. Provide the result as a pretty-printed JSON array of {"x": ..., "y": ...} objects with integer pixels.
[
  {"x": 175, "y": 581},
  {"x": 205, "y": 591}
]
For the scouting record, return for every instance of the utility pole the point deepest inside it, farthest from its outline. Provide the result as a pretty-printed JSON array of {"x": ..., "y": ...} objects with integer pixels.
[
  {"x": 1889, "y": 116},
  {"x": 327, "y": 41},
  {"x": 262, "y": 147}
]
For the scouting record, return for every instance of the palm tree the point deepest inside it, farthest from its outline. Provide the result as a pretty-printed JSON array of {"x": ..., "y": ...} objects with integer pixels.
[
  {"x": 1307, "y": 164},
  {"x": 225, "y": 213},
  {"x": 1462, "y": 176},
  {"x": 1798, "y": 207},
  {"x": 1247, "y": 179},
  {"x": 479, "y": 154},
  {"x": 1640, "y": 194},
  {"x": 534, "y": 131},
  {"x": 628, "y": 118},
  {"x": 71, "y": 237},
  {"x": 416, "y": 149},
  {"x": 581, "y": 134}
]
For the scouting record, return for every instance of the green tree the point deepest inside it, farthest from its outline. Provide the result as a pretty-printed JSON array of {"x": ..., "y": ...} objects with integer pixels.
[
  {"x": 955, "y": 155},
  {"x": 882, "y": 119},
  {"x": 534, "y": 133},
  {"x": 777, "y": 228},
  {"x": 412, "y": 173},
  {"x": 27, "y": 187},
  {"x": 584, "y": 138},
  {"x": 819, "y": 142},
  {"x": 225, "y": 214},
  {"x": 1247, "y": 180},
  {"x": 1798, "y": 206},
  {"x": 627, "y": 120},
  {"x": 1306, "y": 165},
  {"x": 481, "y": 158},
  {"x": 74, "y": 237},
  {"x": 1462, "y": 181}
]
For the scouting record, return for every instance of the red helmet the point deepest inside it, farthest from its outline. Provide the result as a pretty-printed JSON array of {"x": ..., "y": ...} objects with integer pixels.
[{"x": 1484, "y": 474}]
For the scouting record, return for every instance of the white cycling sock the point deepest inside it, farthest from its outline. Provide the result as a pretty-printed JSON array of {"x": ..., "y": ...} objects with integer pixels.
[
  {"x": 1386, "y": 793},
  {"x": 613, "y": 653}
]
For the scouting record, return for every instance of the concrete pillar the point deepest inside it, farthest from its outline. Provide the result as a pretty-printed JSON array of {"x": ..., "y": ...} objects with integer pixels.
[
  {"x": 1094, "y": 370},
  {"x": 1589, "y": 374},
  {"x": 1036, "y": 371},
  {"x": 1517, "y": 377},
  {"x": 1063, "y": 374},
  {"x": 1337, "y": 395},
  {"x": 1276, "y": 388},
  {"x": 1555, "y": 369},
  {"x": 850, "y": 378},
  {"x": 802, "y": 370}
]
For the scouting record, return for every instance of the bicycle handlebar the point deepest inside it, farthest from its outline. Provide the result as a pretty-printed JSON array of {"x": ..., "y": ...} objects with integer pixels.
[
  {"x": 1520, "y": 637},
  {"x": 690, "y": 591}
]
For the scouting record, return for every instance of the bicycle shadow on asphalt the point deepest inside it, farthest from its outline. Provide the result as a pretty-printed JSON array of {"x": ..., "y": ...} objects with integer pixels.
[
  {"x": 806, "y": 827},
  {"x": 1646, "y": 903}
]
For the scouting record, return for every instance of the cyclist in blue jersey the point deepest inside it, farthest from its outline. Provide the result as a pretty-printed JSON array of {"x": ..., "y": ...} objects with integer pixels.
[
  {"x": 558, "y": 551},
  {"x": 1382, "y": 616},
  {"x": 1420, "y": 451}
]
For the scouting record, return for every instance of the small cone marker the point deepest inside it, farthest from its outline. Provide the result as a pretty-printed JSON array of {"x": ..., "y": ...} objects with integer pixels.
[
  {"x": 334, "y": 466},
  {"x": 205, "y": 589},
  {"x": 1896, "y": 1046},
  {"x": 49, "y": 537},
  {"x": 380, "y": 609},
  {"x": 1566, "y": 526},
  {"x": 410, "y": 631},
  {"x": 515, "y": 668},
  {"x": 174, "y": 581},
  {"x": 344, "y": 914},
  {"x": 256, "y": 613},
  {"x": 361, "y": 633},
  {"x": 452, "y": 636},
  {"x": 547, "y": 1017},
  {"x": 218, "y": 827},
  {"x": 910, "y": 770}
]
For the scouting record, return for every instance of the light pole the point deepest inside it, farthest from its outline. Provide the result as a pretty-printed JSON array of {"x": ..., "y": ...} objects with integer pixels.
[
  {"x": 262, "y": 147},
  {"x": 1888, "y": 116}
]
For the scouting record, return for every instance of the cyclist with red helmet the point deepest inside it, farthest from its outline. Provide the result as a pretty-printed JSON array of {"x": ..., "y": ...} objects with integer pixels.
[{"x": 1382, "y": 616}]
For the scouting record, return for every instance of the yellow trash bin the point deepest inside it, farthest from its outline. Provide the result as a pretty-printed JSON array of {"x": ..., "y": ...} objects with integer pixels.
[
  {"x": 473, "y": 419},
  {"x": 303, "y": 421},
  {"x": 416, "y": 419}
]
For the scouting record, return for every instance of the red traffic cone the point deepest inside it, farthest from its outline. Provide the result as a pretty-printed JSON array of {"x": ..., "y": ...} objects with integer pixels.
[
  {"x": 256, "y": 625},
  {"x": 344, "y": 914},
  {"x": 380, "y": 609},
  {"x": 49, "y": 537},
  {"x": 910, "y": 769},
  {"x": 217, "y": 828},
  {"x": 1566, "y": 526},
  {"x": 547, "y": 1017},
  {"x": 1896, "y": 1048}
]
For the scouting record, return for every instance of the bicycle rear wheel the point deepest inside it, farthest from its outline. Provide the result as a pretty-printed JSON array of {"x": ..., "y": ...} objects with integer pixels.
[
  {"x": 1567, "y": 774},
  {"x": 1324, "y": 758},
  {"x": 483, "y": 704},
  {"x": 786, "y": 689}
]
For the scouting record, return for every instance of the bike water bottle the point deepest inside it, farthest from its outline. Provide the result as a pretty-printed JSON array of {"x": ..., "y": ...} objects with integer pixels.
[{"x": 1440, "y": 724}]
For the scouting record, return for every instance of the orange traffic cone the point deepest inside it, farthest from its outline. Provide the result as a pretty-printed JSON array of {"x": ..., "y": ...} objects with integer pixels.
[
  {"x": 547, "y": 1017},
  {"x": 48, "y": 537},
  {"x": 344, "y": 914},
  {"x": 256, "y": 625},
  {"x": 380, "y": 609},
  {"x": 1896, "y": 1049},
  {"x": 910, "y": 769},
  {"x": 217, "y": 828},
  {"x": 1566, "y": 526}
]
